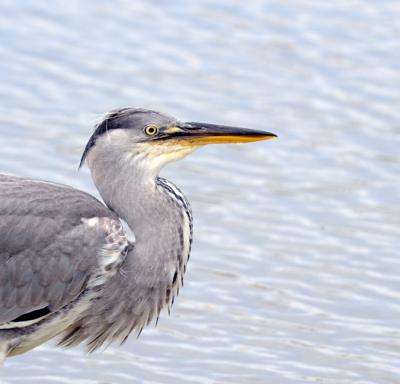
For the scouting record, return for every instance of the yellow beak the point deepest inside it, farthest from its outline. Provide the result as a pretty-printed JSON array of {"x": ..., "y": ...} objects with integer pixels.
[{"x": 202, "y": 134}]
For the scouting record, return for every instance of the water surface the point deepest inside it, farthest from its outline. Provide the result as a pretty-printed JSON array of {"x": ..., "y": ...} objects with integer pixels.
[{"x": 294, "y": 274}]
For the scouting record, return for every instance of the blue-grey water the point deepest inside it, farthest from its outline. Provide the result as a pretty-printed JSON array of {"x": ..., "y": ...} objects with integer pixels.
[{"x": 295, "y": 270}]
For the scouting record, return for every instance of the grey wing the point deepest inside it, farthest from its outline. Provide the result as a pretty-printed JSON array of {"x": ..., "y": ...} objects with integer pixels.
[{"x": 51, "y": 242}]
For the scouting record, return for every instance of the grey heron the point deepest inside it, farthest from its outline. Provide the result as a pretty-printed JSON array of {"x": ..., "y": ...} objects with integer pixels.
[{"x": 66, "y": 265}]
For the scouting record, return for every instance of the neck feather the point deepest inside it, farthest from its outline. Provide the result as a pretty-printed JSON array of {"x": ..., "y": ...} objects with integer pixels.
[
  {"x": 157, "y": 212},
  {"x": 161, "y": 219}
]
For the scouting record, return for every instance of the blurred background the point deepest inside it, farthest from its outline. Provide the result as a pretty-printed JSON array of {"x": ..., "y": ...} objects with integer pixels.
[{"x": 294, "y": 275}]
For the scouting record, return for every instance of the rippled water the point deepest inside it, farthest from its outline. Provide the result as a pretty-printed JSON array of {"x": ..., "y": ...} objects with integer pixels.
[{"x": 294, "y": 274}]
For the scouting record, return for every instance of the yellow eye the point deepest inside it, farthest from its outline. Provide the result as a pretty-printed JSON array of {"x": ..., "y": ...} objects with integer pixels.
[{"x": 151, "y": 130}]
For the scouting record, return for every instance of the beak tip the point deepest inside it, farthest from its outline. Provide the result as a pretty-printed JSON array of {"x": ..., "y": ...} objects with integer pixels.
[{"x": 271, "y": 136}]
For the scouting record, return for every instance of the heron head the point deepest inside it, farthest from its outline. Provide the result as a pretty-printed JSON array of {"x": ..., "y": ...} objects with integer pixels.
[{"x": 155, "y": 139}]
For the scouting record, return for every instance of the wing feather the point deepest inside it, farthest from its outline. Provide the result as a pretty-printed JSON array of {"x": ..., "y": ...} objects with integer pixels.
[{"x": 47, "y": 251}]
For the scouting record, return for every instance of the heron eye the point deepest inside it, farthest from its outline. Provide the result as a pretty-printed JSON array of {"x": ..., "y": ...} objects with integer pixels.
[{"x": 151, "y": 130}]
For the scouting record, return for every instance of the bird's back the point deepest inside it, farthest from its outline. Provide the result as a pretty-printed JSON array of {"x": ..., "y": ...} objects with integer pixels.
[{"x": 52, "y": 241}]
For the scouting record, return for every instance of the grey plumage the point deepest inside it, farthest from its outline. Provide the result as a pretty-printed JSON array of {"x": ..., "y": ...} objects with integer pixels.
[
  {"x": 66, "y": 265},
  {"x": 47, "y": 253}
]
